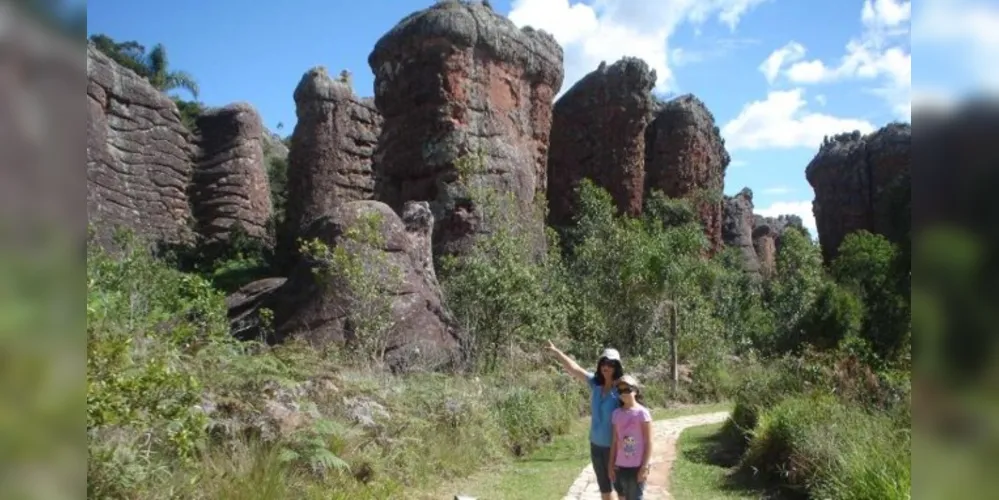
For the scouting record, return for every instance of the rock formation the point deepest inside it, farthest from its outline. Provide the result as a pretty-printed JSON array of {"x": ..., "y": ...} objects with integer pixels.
[
  {"x": 852, "y": 176},
  {"x": 737, "y": 228},
  {"x": 330, "y": 162},
  {"x": 230, "y": 181},
  {"x": 244, "y": 307},
  {"x": 686, "y": 158},
  {"x": 767, "y": 234},
  {"x": 417, "y": 331},
  {"x": 139, "y": 156},
  {"x": 453, "y": 80},
  {"x": 598, "y": 132}
]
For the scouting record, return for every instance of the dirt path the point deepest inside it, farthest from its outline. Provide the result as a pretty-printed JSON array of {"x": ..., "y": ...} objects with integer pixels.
[{"x": 663, "y": 453}]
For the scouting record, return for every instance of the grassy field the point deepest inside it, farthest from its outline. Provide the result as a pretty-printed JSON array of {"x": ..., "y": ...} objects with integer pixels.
[
  {"x": 548, "y": 472},
  {"x": 703, "y": 467}
]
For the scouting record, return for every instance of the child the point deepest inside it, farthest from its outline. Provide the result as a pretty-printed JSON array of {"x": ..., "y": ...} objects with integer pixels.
[{"x": 631, "y": 441}]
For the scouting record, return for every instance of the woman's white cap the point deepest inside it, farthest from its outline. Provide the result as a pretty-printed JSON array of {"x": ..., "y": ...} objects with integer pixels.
[{"x": 611, "y": 354}]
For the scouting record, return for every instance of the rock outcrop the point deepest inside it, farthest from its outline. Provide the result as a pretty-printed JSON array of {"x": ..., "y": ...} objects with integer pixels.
[
  {"x": 852, "y": 176},
  {"x": 230, "y": 183},
  {"x": 139, "y": 156},
  {"x": 416, "y": 330},
  {"x": 244, "y": 307},
  {"x": 330, "y": 161},
  {"x": 453, "y": 80},
  {"x": 598, "y": 132},
  {"x": 768, "y": 232},
  {"x": 686, "y": 158},
  {"x": 737, "y": 228}
]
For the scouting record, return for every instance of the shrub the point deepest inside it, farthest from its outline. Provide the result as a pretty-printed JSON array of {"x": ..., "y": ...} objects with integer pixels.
[
  {"x": 866, "y": 263},
  {"x": 819, "y": 445}
]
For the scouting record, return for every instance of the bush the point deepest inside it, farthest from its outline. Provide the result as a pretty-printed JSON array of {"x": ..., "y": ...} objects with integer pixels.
[
  {"x": 867, "y": 264},
  {"x": 817, "y": 444}
]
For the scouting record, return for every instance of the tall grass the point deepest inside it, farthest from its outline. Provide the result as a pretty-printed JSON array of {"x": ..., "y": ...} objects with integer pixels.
[{"x": 812, "y": 427}]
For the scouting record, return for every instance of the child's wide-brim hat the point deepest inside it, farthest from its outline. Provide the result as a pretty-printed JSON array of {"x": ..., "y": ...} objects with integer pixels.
[{"x": 629, "y": 380}]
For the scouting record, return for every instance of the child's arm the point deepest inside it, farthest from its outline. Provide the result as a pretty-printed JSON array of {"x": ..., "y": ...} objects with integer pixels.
[{"x": 647, "y": 456}]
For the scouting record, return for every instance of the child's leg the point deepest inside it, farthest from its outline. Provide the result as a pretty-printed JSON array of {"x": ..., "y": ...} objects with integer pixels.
[{"x": 630, "y": 488}]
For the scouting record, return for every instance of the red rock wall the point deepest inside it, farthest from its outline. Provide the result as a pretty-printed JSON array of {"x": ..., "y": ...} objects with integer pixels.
[
  {"x": 686, "y": 158},
  {"x": 850, "y": 175},
  {"x": 599, "y": 134},
  {"x": 230, "y": 183},
  {"x": 451, "y": 80}
]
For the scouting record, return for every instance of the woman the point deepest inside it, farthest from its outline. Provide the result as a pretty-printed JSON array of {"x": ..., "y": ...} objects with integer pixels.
[{"x": 604, "y": 399}]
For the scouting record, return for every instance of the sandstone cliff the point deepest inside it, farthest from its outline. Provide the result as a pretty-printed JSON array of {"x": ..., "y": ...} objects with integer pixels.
[
  {"x": 139, "y": 156},
  {"x": 686, "y": 158},
  {"x": 737, "y": 228},
  {"x": 230, "y": 181},
  {"x": 330, "y": 161},
  {"x": 598, "y": 132},
  {"x": 456, "y": 79},
  {"x": 417, "y": 331},
  {"x": 852, "y": 176}
]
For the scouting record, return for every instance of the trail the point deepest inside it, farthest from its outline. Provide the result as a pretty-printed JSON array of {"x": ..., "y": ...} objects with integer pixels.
[{"x": 665, "y": 434}]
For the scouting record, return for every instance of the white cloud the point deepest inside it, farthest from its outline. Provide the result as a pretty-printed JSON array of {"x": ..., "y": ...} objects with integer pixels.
[
  {"x": 719, "y": 47},
  {"x": 783, "y": 121},
  {"x": 820, "y": 100},
  {"x": 606, "y": 30},
  {"x": 802, "y": 209},
  {"x": 969, "y": 27},
  {"x": 787, "y": 54},
  {"x": 881, "y": 53}
]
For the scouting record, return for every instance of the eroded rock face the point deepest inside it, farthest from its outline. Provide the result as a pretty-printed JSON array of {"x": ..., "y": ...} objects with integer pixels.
[
  {"x": 420, "y": 333},
  {"x": 243, "y": 306},
  {"x": 139, "y": 156},
  {"x": 598, "y": 132},
  {"x": 851, "y": 176},
  {"x": 455, "y": 79},
  {"x": 230, "y": 179},
  {"x": 768, "y": 233},
  {"x": 737, "y": 228},
  {"x": 765, "y": 244},
  {"x": 686, "y": 158},
  {"x": 330, "y": 161}
]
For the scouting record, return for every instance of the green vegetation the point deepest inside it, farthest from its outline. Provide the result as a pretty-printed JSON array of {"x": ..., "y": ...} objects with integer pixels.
[
  {"x": 829, "y": 416},
  {"x": 816, "y": 359},
  {"x": 700, "y": 471},
  {"x": 177, "y": 407}
]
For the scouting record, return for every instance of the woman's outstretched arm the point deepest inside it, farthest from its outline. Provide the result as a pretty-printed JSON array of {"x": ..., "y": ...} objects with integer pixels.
[{"x": 569, "y": 364}]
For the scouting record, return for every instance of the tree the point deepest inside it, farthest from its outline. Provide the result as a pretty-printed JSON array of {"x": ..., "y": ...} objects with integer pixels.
[
  {"x": 162, "y": 78},
  {"x": 153, "y": 66},
  {"x": 799, "y": 279},
  {"x": 867, "y": 263}
]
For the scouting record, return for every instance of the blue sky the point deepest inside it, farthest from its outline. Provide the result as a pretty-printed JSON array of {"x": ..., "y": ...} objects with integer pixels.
[{"x": 834, "y": 65}]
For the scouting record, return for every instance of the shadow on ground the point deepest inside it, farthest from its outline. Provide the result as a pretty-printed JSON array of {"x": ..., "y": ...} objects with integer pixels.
[{"x": 723, "y": 449}]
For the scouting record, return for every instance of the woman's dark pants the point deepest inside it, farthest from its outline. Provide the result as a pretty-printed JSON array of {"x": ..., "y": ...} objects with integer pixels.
[{"x": 600, "y": 456}]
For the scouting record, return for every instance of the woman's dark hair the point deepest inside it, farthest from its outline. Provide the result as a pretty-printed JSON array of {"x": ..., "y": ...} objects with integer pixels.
[{"x": 598, "y": 378}]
